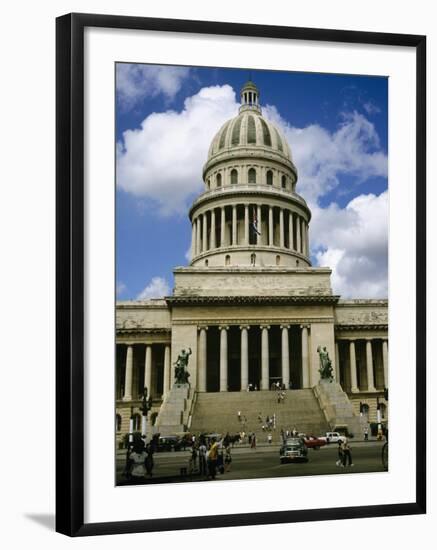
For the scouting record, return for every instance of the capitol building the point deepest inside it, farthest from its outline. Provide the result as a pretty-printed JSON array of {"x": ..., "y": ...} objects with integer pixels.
[{"x": 250, "y": 306}]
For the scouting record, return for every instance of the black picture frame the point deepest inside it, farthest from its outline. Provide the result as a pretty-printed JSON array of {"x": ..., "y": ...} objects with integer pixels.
[{"x": 70, "y": 273}]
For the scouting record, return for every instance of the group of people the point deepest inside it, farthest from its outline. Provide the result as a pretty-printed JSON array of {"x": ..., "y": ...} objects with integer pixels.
[
  {"x": 139, "y": 459},
  {"x": 344, "y": 454},
  {"x": 208, "y": 457}
]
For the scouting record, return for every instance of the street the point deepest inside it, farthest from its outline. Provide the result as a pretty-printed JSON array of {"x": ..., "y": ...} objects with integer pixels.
[{"x": 263, "y": 462}]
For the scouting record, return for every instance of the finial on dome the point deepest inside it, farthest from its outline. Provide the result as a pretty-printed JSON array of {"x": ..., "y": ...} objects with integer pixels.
[{"x": 250, "y": 97}]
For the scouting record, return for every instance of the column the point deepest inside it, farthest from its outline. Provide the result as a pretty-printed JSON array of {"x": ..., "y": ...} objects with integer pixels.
[
  {"x": 307, "y": 239},
  {"x": 303, "y": 238},
  {"x": 244, "y": 357},
  {"x": 166, "y": 384},
  {"x": 198, "y": 236},
  {"x": 385, "y": 361},
  {"x": 201, "y": 386},
  {"x": 148, "y": 370},
  {"x": 290, "y": 231},
  {"x": 223, "y": 227},
  {"x": 281, "y": 228},
  {"x": 337, "y": 363},
  {"x": 128, "y": 374},
  {"x": 234, "y": 224},
  {"x": 369, "y": 364},
  {"x": 193, "y": 239},
  {"x": 285, "y": 355},
  {"x": 258, "y": 216},
  {"x": 270, "y": 226},
  {"x": 298, "y": 238},
  {"x": 246, "y": 224},
  {"x": 353, "y": 367},
  {"x": 305, "y": 358},
  {"x": 223, "y": 358},
  {"x": 205, "y": 233},
  {"x": 212, "y": 239},
  {"x": 265, "y": 357}
]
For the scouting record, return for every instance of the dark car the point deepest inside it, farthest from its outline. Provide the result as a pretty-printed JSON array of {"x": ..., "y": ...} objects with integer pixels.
[
  {"x": 293, "y": 450},
  {"x": 170, "y": 443}
]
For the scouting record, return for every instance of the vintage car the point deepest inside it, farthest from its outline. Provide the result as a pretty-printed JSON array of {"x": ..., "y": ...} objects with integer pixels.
[
  {"x": 333, "y": 437},
  {"x": 293, "y": 450},
  {"x": 313, "y": 442},
  {"x": 171, "y": 443}
]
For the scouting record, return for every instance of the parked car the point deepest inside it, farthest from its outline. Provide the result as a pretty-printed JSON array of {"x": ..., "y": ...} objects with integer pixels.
[
  {"x": 333, "y": 437},
  {"x": 293, "y": 449},
  {"x": 313, "y": 442},
  {"x": 170, "y": 443}
]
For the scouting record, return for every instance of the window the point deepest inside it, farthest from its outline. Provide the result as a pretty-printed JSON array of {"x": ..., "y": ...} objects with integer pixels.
[
  {"x": 137, "y": 422},
  {"x": 252, "y": 175},
  {"x": 269, "y": 177},
  {"x": 219, "y": 180},
  {"x": 283, "y": 182},
  {"x": 227, "y": 260},
  {"x": 234, "y": 176},
  {"x": 118, "y": 423},
  {"x": 206, "y": 263}
]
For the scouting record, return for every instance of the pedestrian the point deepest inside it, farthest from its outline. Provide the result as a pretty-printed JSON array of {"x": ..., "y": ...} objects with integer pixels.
[
  {"x": 192, "y": 464},
  {"x": 212, "y": 458},
  {"x": 269, "y": 439},
  {"x": 239, "y": 416},
  {"x": 253, "y": 443},
  {"x": 202, "y": 458},
  {"x": 282, "y": 435},
  {"x": 136, "y": 464},
  {"x": 279, "y": 397},
  {"x": 228, "y": 459},
  {"x": 366, "y": 434},
  {"x": 339, "y": 453},
  {"x": 347, "y": 455}
]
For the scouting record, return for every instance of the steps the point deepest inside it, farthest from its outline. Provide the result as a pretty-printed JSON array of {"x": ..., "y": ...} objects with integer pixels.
[{"x": 217, "y": 412}]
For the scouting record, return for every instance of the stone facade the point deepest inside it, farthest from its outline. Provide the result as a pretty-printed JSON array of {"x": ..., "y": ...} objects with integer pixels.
[{"x": 250, "y": 306}]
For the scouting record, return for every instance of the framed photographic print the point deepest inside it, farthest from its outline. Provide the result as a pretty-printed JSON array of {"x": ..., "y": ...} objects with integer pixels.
[{"x": 240, "y": 274}]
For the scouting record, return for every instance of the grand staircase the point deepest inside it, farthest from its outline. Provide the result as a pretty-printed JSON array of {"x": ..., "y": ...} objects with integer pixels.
[{"x": 218, "y": 413}]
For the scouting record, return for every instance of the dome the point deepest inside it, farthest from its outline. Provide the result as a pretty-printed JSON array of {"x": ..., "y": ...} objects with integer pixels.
[
  {"x": 249, "y": 129},
  {"x": 249, "y": 213},
  {"x": 249, "y": 135}
]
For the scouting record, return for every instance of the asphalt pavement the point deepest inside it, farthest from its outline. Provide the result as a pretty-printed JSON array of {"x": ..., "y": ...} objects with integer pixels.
[{"x": 262, "y": 462}]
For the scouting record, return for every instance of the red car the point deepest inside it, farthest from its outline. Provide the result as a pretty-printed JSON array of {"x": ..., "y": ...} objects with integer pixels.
[{"x": 312, "y": 442}]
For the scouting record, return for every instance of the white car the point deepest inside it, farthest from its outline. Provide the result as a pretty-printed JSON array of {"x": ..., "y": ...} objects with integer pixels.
[{"x": 333, "y": 437}]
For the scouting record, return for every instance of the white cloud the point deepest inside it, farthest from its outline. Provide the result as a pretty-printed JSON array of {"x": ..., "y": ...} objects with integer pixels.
[
  {"x": 157, "y": 288},
  {"x": 135, "y": 82},
  {"x": 121, "y": 288},
  {"x": 371, "y": 108},
  {"x": 322, "y": 157},
  {"x": 353, "y": 241},
  {"x": 163, "y": 159}
]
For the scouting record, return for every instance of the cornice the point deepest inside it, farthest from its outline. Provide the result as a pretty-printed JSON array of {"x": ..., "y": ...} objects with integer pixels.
[
  {"x": 250, "y": 190},
  {"x": 242, "y": 300},
  {"x": 381, "y": 326}
]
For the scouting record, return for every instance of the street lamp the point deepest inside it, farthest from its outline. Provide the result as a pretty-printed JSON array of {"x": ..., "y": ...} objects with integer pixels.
[{"x": 146, "y": 405}]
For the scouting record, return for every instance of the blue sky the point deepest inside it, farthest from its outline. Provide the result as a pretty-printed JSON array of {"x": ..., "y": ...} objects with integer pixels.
[{"x": 336, "y": 126}]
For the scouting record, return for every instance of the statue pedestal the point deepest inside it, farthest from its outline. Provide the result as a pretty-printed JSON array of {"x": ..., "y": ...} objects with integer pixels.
[
  {"x": 172, "y": 415},
  {"x": 337, "y": 408}
]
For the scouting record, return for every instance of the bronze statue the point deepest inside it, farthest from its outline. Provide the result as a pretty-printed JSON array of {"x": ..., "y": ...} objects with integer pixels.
[
  {"x": 325, "y": 369},
  {"x": 181, "y": 367}
]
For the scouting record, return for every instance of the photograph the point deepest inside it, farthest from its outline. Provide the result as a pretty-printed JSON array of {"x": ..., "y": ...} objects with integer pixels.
[{"x": 251, "y": 274}]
